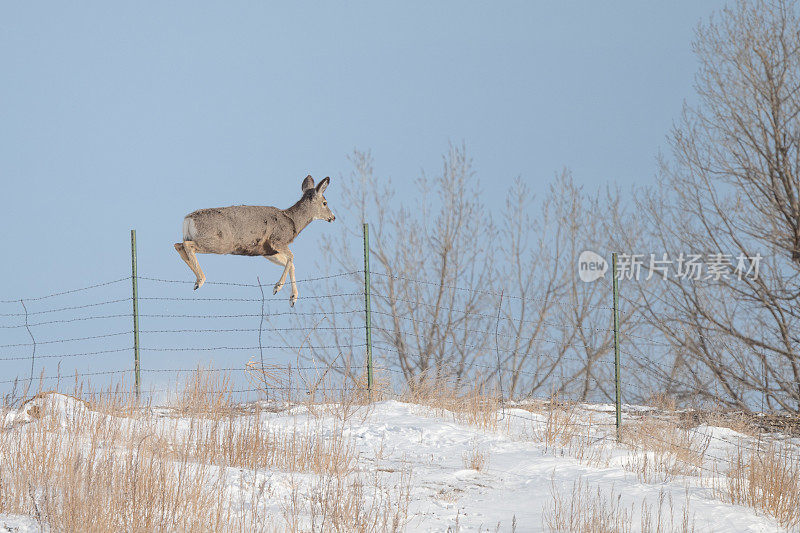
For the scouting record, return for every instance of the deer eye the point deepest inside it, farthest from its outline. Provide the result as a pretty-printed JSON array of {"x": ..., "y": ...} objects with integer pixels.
[{"x": 325, "y": 203}]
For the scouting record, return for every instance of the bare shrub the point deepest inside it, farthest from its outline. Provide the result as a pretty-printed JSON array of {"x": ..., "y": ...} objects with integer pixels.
[{"x": 431, "y": 311}]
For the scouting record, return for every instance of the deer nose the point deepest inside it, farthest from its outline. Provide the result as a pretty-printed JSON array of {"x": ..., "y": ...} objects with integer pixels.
[{"x": 333, "y": 217}]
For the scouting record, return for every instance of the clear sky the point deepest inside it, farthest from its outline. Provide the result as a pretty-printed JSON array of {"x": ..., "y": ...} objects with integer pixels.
[{"x": 129, "y": 115}]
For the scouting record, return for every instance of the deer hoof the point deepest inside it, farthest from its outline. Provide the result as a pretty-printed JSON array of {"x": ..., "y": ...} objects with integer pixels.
[
  {"x": 292, "y": 300},
  {"x": 198, "y": 283},
  {"x": 278, "y": 287}
]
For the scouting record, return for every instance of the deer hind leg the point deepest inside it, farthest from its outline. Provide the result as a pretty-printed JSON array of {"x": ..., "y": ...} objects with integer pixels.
[
  {"x": 186, "y": 250},
  {"x": 286, "y": 260}
]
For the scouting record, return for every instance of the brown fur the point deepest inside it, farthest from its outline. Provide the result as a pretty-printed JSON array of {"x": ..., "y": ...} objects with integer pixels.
[{"x": 253, "y": 231}]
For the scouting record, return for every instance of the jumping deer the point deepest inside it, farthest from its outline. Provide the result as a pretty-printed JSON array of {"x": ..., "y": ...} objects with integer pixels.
[{"x": 254, "y": 230}]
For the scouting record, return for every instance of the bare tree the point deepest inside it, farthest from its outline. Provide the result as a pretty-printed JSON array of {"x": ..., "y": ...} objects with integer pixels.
[
  {"x": 433, "y": 265},
  {"x": 457, "y": 298},
  {"x": 731, "y": 193},
  {"x": 558, "y": 335}
]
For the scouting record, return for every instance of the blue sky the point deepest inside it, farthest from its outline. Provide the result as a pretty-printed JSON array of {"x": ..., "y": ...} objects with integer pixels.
[{"x": 129, "y": 115}]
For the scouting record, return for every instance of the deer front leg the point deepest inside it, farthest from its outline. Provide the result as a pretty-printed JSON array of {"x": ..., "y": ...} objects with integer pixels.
[
  {"x": 295, "y": 294},
  {"x": 285, "y": 258},
  {"x": 282, "y": 260}
]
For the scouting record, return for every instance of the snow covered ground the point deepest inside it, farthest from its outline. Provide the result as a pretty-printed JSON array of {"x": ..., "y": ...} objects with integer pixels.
[{"x": 530, "y": 468}]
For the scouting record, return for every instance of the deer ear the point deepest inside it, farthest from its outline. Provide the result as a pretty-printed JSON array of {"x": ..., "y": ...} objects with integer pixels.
[
  {"x": 323, "y": 185},
  {"x": 308, "y": 183}
]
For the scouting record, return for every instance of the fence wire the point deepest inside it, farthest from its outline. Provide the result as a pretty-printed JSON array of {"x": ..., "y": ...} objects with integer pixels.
[{"x": 525, "y": 347}]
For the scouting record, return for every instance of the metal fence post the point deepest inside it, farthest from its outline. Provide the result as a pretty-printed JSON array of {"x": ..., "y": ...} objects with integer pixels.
[
  {"x": 135, "y": 313},
  {"x": 368, "y": 313},
  {"x": 617, "y": 388}
]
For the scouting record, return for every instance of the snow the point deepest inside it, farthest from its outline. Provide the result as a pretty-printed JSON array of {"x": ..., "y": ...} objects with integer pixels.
[
  {"x": 18, "y": 524},
  {"x": 514, "y": 489},
  {"x": 63, "y": 406}
]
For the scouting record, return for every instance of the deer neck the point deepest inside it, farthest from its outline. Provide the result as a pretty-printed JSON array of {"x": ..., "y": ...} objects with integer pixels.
[{"x": 300, "y": 213}]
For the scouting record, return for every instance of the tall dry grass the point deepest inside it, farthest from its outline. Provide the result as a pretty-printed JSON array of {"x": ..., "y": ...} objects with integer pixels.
[
  {"x": 475, "y": 406},
  {"x": 766, "y": 479},
  {"x": 564, "y": 429},
  {"x": 584, "y": 510},
  {"x": 203, "y": 393},
  {"x": 661, "y": 448},
  {"x": 346, "y": 504},
  {"x": 587, "y": 510},
  {"x": 475, "y": 458},
  {"x": 76, "y": 469},
  {"x": 663, "y": 444},
  {"x": 249, "y": 441},
  {"x": 98, "y": 461}
]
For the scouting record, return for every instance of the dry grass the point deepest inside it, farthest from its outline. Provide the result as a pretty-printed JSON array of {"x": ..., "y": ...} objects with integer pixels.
[
  {"x": 476, "y": 407},
  {"x": 563, "y": 429},
  {"x": 269, "y": 379},
  {"x": 381, "y": 386},
  {"x": 660, "y": 517},
  {"x": 324, "y": 391},
  {"x": 336, "y": 503},
  {"x": 560, "y": 424},
  {"x": 767, "y": 480},
  {"x": 93, "y": 477},
  {"x": 204, "y": 393},
  {"x": 475, "y": 458},
  {"x": 662, "y": 449},
  {"x": 249, "y": 442},
  {"x": 584, "y": 510},
  {"x": 343, "y": 400},
  {"x": 752, "y": 424},
  {"x": 100, "y": 462}
]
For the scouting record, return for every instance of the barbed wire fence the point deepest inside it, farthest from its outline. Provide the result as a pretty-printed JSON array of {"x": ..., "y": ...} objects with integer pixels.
[
  {"x": 108, "y": 330},
  {"x": 92, "y": 332},
  {"x": 40, "y": 318}
]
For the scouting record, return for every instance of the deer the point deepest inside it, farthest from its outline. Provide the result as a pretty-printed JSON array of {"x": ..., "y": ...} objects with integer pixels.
[{"x": 254, "y": 230}]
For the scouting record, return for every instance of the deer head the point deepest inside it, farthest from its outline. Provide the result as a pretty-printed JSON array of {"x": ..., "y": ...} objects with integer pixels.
[{"x": 315, "y": 200}]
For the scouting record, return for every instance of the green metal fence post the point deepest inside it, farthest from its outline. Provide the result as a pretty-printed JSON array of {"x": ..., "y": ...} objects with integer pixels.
[
  {"x": 135, "y": 313},
  {"x": 617, "y": 388},
  {"x": 368, "y": 313}
]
